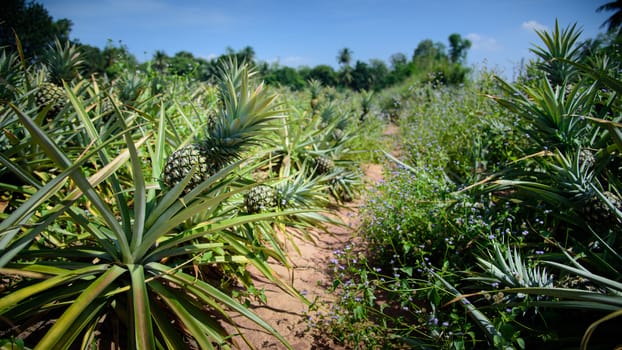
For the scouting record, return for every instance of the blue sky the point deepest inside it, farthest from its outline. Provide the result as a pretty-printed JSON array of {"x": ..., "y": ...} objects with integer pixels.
[{"x": 297, "y": 33}]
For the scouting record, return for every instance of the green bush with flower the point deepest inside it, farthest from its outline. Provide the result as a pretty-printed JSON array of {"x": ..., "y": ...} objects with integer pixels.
[{"x": 499, "y": 224}]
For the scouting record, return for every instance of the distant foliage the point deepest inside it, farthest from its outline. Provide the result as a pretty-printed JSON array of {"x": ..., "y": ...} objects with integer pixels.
[{"x": 31, "y": 22}]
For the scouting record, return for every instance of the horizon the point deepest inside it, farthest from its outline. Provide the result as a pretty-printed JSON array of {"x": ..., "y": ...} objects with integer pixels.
[{"x": 298, "y": 34}]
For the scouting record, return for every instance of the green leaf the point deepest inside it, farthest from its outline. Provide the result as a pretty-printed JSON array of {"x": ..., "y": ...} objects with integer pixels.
[
  {"x": 607, "y": 282},
  {"x": 66, "y": 323},
  {"x": 159, "y": 158},
  {"x": 485, "y": 324},
  {"x": 572, "y": 294},
  {"x": 88, "y": 317},
  {"x": 590, "y": 330},
  {"x": 208, "y": 294},
  {"x": 195, "y": 328},
  {"x": 54, "y": 153},
  {"x": 140, "y": 195},
  {"x": 143, "y": 331},
  {"x": 11, "y": 300},
  {"x": 167, "y": 331}
]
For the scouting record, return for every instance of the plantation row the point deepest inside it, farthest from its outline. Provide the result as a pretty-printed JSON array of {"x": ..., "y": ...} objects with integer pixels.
[{"x": 131, "y": 209}]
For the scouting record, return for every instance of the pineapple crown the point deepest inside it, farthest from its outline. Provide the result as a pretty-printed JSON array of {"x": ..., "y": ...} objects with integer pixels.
[
  {"x": 315, "y": 87},
  {"x": 367, "y": 98},
  {"x": 63, "y": 61},
  {"x": 9, "y": 73},
  {"x": 246, "y": 111}
]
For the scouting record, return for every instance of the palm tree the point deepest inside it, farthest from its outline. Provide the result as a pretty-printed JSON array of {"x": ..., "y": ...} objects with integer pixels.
[
  {"x": 458, "y": 47},
  {"x": 344, "y": 58},
  {"x": 614, "y": 22},
  {"x": 247, "y": 54},
  {"x": 160, "y": 61}
]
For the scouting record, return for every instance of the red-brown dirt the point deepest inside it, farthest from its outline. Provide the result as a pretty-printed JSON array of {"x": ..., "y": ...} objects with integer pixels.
[{"x": 311, "y": 275}]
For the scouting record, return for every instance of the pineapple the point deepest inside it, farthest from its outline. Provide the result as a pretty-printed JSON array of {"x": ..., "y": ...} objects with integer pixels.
[
  {"x": 62, "y": 63},
  {"x": 260, "y": 198},
  {"x": 338, "y": 135},
  {"x": 51, "y": 95},
  {"x": 597, "y": 211},
  {"x": 323, "y": 165},
  {"x": 240, "y": 124},
  {"x": 586, "y": 158},
  {"x": 108, "y": 105}
]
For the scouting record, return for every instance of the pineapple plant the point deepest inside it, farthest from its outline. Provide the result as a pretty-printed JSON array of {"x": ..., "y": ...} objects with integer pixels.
[
  {"x": 366, "y": 102},
  {"x": 239, "y": 125},
  {"x": 130, "y": 87},
  {"x": 62, "y": 63},
  {"x": 344, "y": 184},
  {"x": 315, "y": 87},
  {"x": 335, "y": 124}
]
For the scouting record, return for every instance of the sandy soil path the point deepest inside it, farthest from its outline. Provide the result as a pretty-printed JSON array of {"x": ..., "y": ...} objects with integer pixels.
[{"x": 311, "y": 275}]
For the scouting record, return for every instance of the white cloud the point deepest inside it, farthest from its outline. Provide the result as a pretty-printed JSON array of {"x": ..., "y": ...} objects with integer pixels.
[
  {"x": 481, "y": 42},
  {"x": 209, "y": 56},
  {"x": 290, "y": 61},
  {"x": 533, "y": 25},
  {"x": 293, "y": 61}
]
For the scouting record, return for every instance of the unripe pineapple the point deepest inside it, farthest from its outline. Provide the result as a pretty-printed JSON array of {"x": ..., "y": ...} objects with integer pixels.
[
  {"x": 182, "y": 161},
  {"x": 51, "y": 95},
  {"x": 338, "y": 135},
  {"x": 595, "y": 210},
  {"x": 108, "y": 105},
  {"x": 323, "y": 165},
  {"x": 260, "y": 198},
  {"x": 586, "y": 158},
  {"x": 245, "y": 112},
  {"x": 314, "y": 103}
]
